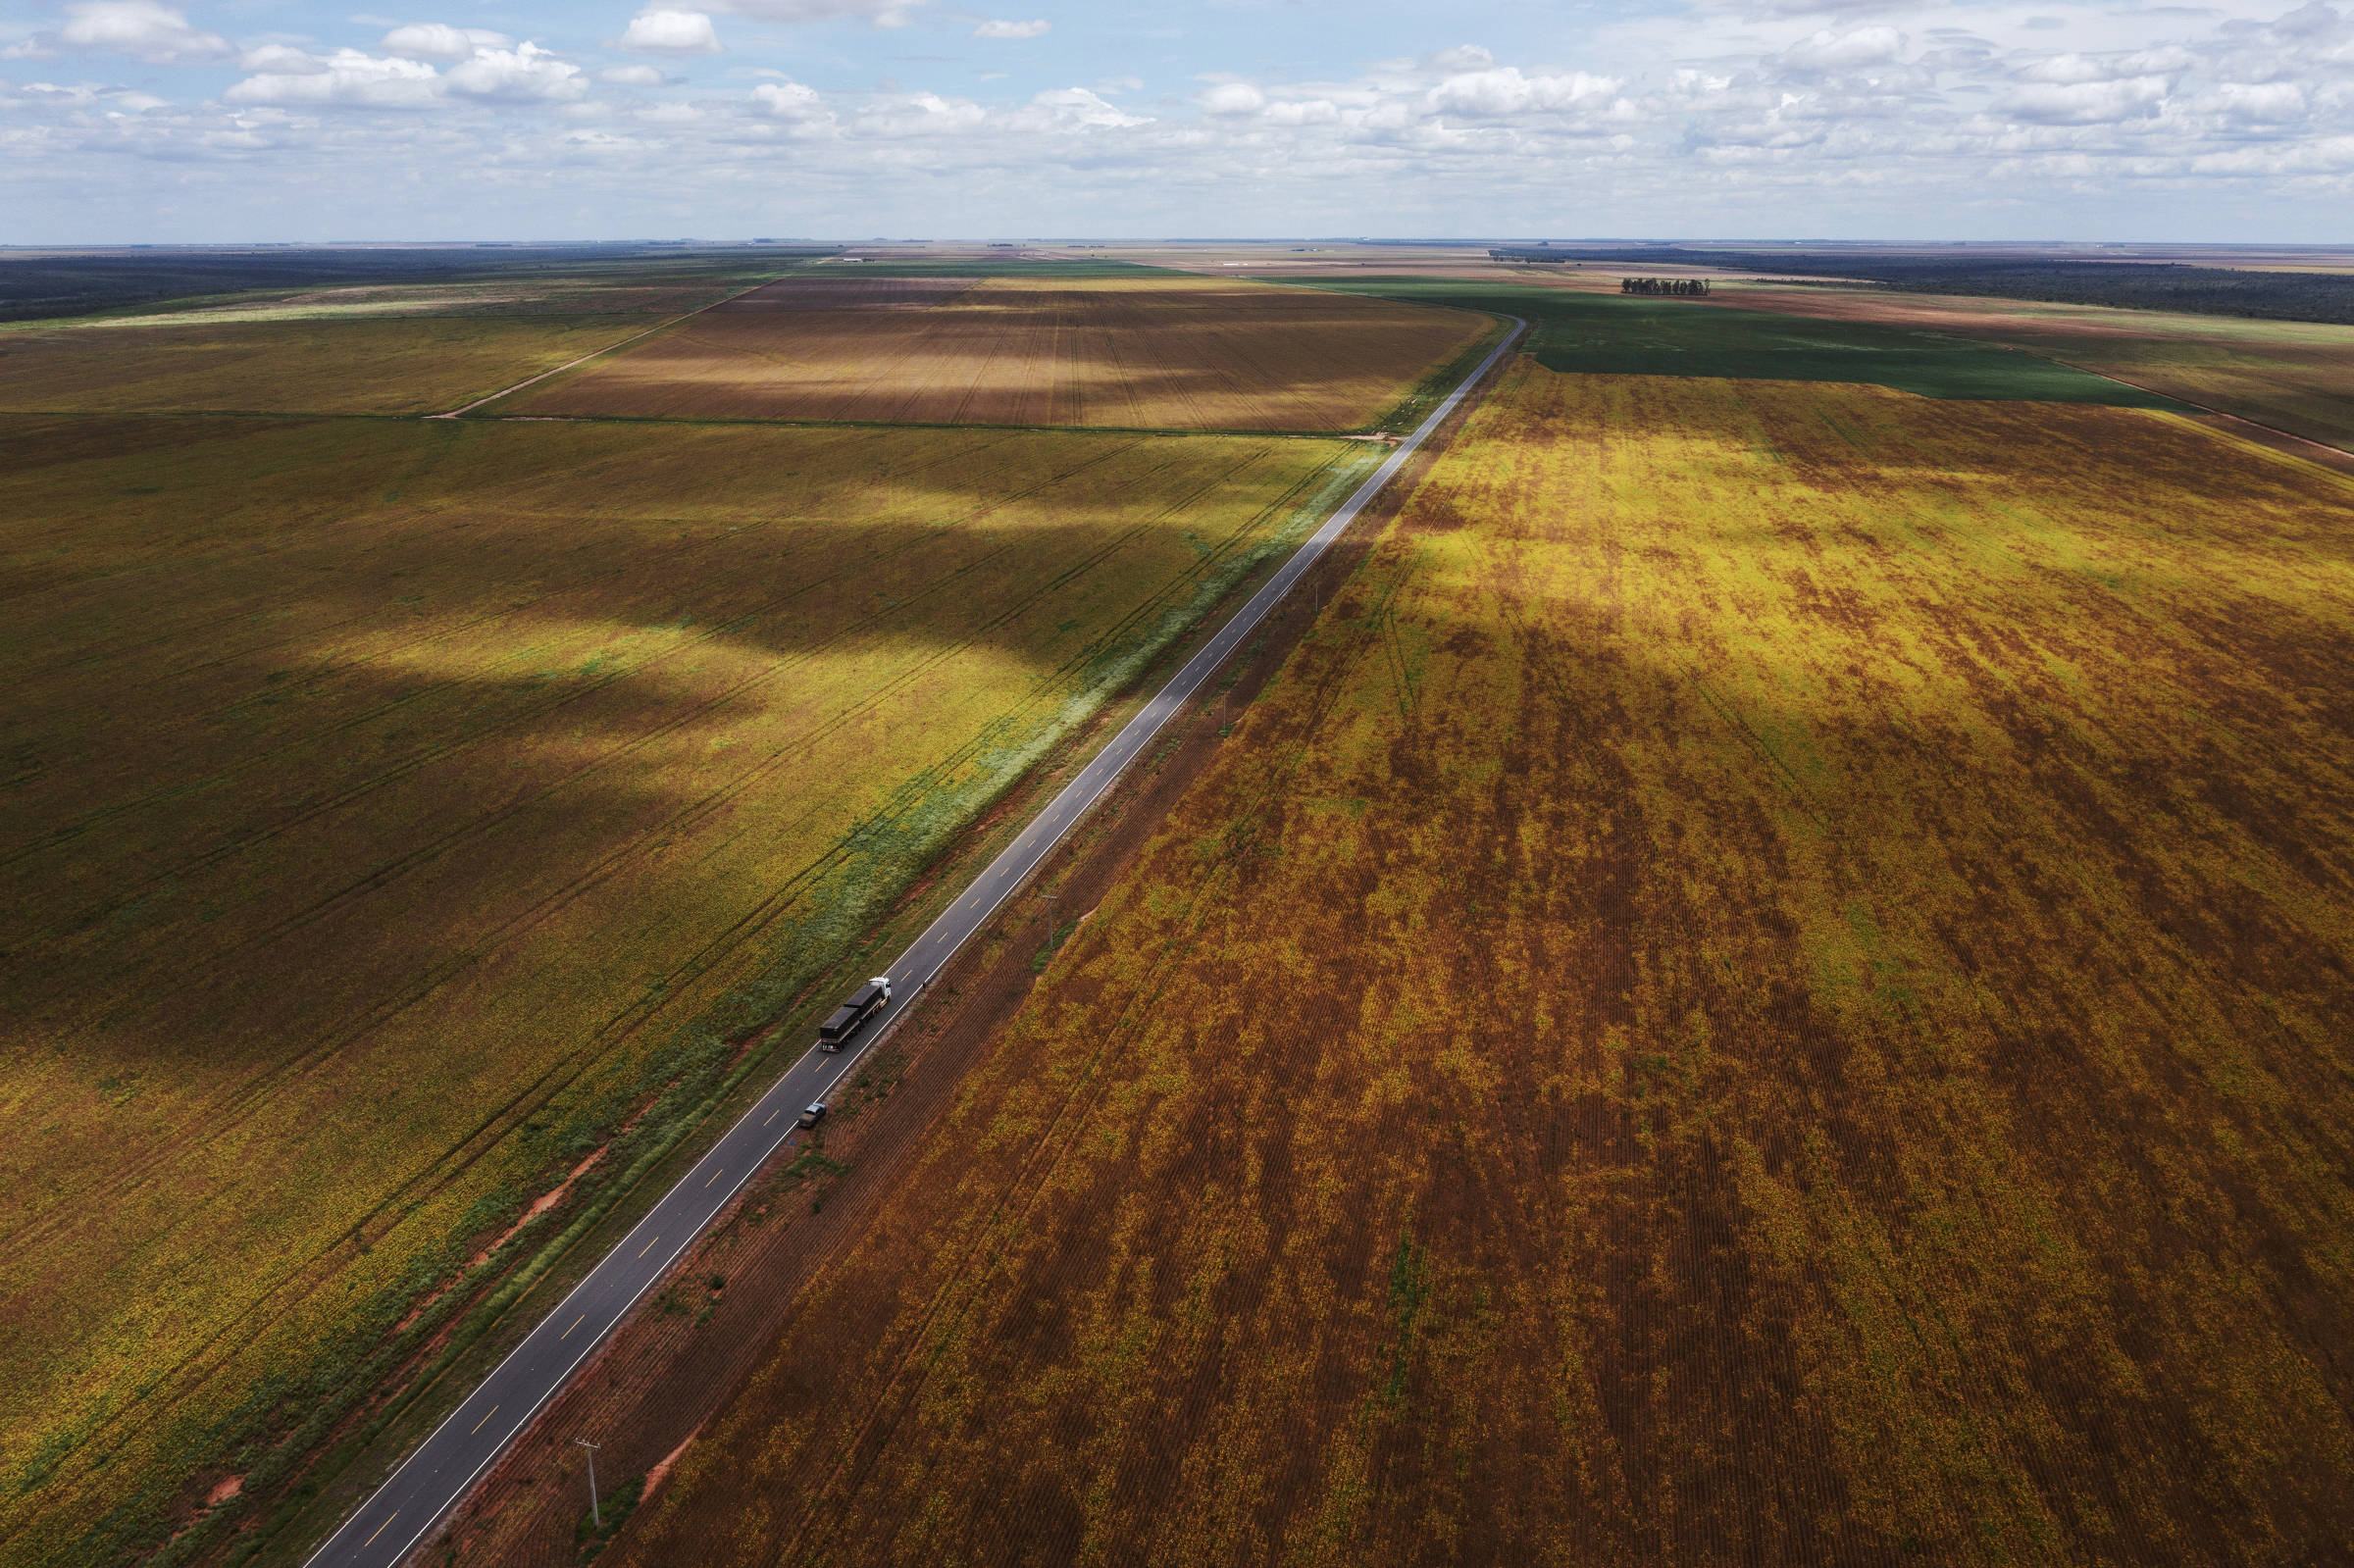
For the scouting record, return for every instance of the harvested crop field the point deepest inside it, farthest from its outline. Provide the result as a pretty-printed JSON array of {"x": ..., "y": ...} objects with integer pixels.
[
  {"x": 1772, "y": 985},
  {"x": 416, "y": 349},
  {"x": 399, "y": 812},
  {"x": 1131, "y": 351}
]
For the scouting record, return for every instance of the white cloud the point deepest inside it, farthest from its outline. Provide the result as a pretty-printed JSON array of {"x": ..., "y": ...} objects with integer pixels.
[
  {"x": 1505, "y": 91},
  {"x": 352, "y": 79},
  {"x": 525, "y": 73},
  {"x": 882, "y": 13},
  {"x": 1758, "y": 10},
  {"x": 1462, "y": 57},
  {"x": 1011, "y": 29},
  {"x": 1076, "y": 108},
  {"x": 790, "y": 100},
  {"x": 156, "y": 34},
  {"x": 1233, "y": 98},
  {"x": 1834, "y": 121},
  {"x": 436, "y": 40},
  {"x": 1301, "y": 111},
  {"x": 280, "y": 59},
  {"x": 2088, "y": 103},
  {"x": 1845, "y": 51},
  {"x": 2263, "y": 103},
  {"x": 2069, "y": 69},
  {"x": 799, "y": 107},
  {"x": 671, "y": 32},
  {"x": 347, "y": 77},
  {"x": 922, "y": 114}
]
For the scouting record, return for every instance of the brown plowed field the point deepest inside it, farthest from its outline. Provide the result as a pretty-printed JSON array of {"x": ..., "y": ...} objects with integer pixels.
[
  {"x": 1154, "y": 353},
  {"x": 1773, "y": 985},
  {"x": 395, "y": 809}
]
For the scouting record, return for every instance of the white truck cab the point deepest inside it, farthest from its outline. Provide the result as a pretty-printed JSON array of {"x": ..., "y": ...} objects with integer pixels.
[{"x": 851, "y": 1015}]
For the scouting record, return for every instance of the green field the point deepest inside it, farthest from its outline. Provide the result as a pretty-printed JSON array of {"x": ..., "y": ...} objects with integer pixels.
[
  {"x": 2293, "y": 376},
  {"x": 1613, "y": 335}
]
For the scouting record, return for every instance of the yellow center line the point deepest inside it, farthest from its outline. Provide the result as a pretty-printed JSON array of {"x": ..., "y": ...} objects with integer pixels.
[
  {"x": 380, "y": 1529},
  {"x": 649, "y": 1248},
  {"x": 576, "y": 1323},
  {"x": 714, "y": 1176},
  {"x": 493, "y": 1410},
  {"x": 773, "y": 1115}
]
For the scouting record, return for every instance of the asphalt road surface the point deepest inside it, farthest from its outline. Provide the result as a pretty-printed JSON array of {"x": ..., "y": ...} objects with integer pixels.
[{"x": 439, "y": 1473}]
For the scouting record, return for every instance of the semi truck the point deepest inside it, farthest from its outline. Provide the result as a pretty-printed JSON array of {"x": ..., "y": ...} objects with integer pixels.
[{"x": 851, "y": 1015}]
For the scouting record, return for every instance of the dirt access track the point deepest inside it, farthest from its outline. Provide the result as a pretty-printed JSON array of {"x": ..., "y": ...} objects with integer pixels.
[
  {"x": 661, "y": 1376},
  {"x": 1145, "y": 352}
]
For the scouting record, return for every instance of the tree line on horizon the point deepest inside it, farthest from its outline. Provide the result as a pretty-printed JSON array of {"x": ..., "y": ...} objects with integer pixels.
[
  {"x": 1677, "y": 288},
  {"x": 2250, "y": 292}
]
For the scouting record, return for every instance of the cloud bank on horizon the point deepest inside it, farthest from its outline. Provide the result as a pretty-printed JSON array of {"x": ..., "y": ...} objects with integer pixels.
[{"x": 142, "y": 119}]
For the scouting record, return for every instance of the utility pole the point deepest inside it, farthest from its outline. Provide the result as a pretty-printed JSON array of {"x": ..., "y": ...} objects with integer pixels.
[{"x": 594, "y": 1517}]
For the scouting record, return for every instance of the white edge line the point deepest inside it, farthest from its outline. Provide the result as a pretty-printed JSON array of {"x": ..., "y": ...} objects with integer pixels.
[
  {"x": 1306, "y": 555},
  {"x": 556, "y": 1313},
  {"x": 1215, "y": 652},
  {"x": 587, "y": 1346}
]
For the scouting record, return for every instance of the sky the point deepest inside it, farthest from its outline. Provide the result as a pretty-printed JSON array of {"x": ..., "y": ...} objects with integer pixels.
[{"x": 218, "y": 120}]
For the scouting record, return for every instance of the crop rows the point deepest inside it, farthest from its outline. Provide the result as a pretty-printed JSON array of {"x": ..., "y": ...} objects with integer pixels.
[
  {"x": 1769, "y": 987},
  {"x": 387, "y": 801}
]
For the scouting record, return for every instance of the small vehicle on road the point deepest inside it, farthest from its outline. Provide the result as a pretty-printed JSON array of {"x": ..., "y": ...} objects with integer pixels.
[
  {"x": 851, "y": 1015},
  {"x": 812, "y": 1116}
]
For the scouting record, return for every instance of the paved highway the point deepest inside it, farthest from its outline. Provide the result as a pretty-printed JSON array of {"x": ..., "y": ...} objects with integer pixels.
[{"x": 438, "y": 1474}]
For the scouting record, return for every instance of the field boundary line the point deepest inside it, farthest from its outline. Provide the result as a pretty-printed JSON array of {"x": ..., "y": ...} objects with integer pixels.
[
  {"x": 2338, "y": 461},
  {"x": 607, "y": 349}
]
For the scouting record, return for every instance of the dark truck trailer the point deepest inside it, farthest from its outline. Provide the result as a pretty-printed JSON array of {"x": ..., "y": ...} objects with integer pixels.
[{"x": 851, "y": 1015}]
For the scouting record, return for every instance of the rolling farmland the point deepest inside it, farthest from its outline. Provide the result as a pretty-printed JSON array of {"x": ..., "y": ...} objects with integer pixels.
[
  {"x": 1771, "y": 984},
  {"x": 405, "y": 816},
  {"x": 358, "y": 349},
  {"x": 1130, "y": 349},
  {"x": 2295, "y": 376},
  {"x": 1605, "y": 334}
]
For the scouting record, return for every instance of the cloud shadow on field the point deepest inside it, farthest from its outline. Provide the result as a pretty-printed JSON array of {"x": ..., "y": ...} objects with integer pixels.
[
  {"x": 1205, "y": 356},
  {"x": 371, "y": 783},
  {"x": 402, "y": 663}
]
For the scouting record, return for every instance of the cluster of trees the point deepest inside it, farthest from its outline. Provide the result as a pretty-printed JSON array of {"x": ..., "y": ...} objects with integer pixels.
[{"x": 1683, "y": 287}]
